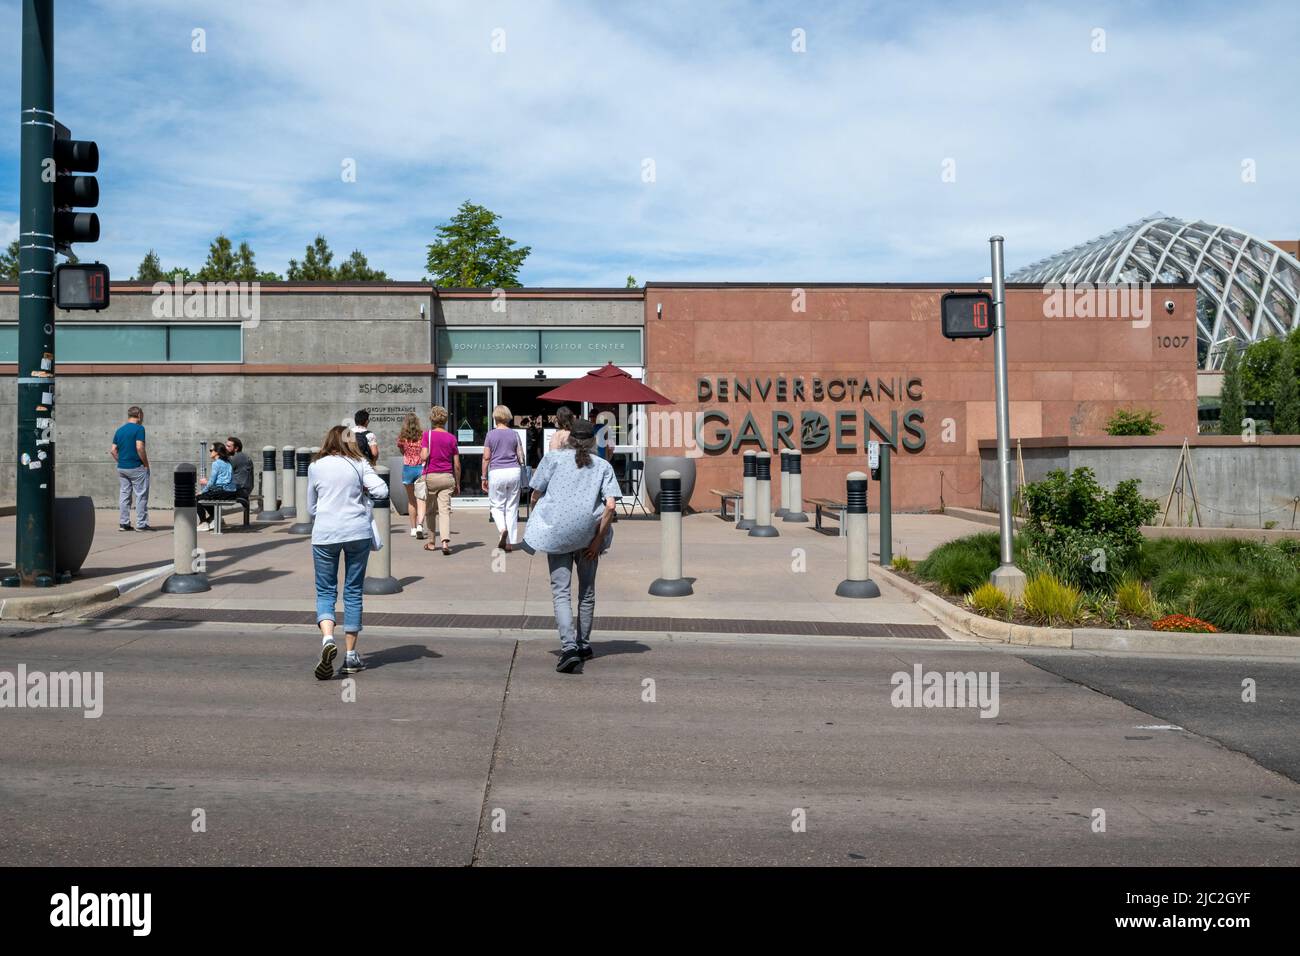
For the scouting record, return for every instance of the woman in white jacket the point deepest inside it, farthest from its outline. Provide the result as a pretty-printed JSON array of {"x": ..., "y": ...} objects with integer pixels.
[{"x": 341, "y": 486}]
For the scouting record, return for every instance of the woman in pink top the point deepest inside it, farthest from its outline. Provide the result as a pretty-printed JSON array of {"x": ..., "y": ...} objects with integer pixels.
[{"x": 441, "y": 458}]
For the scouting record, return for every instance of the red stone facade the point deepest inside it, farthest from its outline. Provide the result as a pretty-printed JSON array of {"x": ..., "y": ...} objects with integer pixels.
[{"x": 1067, "y": 375}]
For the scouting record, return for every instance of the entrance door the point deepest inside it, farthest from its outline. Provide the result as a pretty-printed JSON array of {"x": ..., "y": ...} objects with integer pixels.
[{"x": 469, "y": 417}]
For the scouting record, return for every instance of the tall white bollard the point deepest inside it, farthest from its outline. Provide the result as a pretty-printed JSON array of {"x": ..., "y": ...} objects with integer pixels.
[
  {"x": 670, "y": 582},
  {"x": 303, "y": 462},
  {"x": 288, "y": 486},
  {"x": 763, "y": 498},
  {"x": 747, "y": 487},
  {"x": 187, "y": 576},
  {"x": 858, "y": 583},
  {"x": 270, "y": 510},
  {"x": 794, "y": 511},
  {"x": 784, "y": 472},
  {"x": 379, "y": 570}
]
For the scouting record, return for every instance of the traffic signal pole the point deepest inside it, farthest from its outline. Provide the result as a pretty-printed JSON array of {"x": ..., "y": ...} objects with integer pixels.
[
  {"x": 34, "y": 560},
  {"x": 1008, "y": 577}
]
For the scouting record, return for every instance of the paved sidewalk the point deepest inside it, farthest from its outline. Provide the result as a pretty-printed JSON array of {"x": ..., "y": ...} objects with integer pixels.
[{"x": 791, "y": 578}]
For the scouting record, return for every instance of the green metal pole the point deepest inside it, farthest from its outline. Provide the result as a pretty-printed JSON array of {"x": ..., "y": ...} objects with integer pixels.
[
  {"x": 35, "y": 481},
  {"x": 886, "y": 510}
]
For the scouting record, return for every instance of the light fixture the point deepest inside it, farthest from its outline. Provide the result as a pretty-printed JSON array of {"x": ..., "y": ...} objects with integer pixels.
[
  {"x": 540, "y": 376},
  {"x": 659, "y": 309}
]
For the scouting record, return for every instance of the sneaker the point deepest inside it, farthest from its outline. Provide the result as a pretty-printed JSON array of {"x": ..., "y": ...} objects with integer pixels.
[
  {"x": 570, "y": 662},
  {"x": 325, "y": 667},
  {"x": 586, "y": 652},
  {"x": 419, "y": 533},
  {"x": 125, "y": 527},
  {"x": 414, "y": 532},
  {"x": 145, "y": 527},
  {"x": 352, "y": 663},
  {"x": 203, "y": 526}
]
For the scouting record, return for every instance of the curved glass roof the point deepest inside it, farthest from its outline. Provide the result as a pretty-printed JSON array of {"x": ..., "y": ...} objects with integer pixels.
[{"x": 1248, "y": 288}]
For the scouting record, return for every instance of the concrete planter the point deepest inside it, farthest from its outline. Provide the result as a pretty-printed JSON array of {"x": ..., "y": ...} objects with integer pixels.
[
  {"x": 658, "y": 464},
  {"x": 74, "y": 532}
]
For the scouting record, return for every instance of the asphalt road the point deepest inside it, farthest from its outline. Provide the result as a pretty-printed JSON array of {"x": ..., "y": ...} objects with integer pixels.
[{"x": 468, "y": 748}]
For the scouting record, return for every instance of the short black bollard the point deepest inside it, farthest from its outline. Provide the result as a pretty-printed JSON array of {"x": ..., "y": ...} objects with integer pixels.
[
  {"x": 288, "y": 506},
  {"x": 763, "y": 498},
  {"x": 381, "y": 561},
  {"x": 187, "y": 575},
  {"x": 670, "y": 583},
  {"x": 858, "y": 583},
  {"x": 270, "y": 510},
  {"x": 300, "y": 486}
]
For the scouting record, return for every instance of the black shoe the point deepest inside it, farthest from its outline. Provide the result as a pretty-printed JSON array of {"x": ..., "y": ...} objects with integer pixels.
[
  {"x": 586, "y": 652},
  {"x": 125, "y": 527},
  {"x": 570, "y": 662},
  {"x": 145, "y": 527}
]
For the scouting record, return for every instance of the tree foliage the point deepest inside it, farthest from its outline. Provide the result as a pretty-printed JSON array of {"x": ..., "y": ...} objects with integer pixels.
[
  {"x": 9, "y": 263},
  {"x": 1134, "y": 421},
  {"x": 471, "y": 252},
  {"x": 316, "y": 266},
  {"x": 1232, "y": 407}
]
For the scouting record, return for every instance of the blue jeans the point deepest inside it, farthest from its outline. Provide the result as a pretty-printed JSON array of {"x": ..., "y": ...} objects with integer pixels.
[
  {"x": 561, "y": 567},
  {"x": 325, "y": 558}
]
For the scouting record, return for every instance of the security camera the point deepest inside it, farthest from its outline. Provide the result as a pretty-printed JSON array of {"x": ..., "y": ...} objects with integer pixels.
[{"x": 1169, "y": 306}]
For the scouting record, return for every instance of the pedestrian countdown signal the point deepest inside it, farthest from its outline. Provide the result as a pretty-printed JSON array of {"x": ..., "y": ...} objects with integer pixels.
[{"x": 967, "y": 315}]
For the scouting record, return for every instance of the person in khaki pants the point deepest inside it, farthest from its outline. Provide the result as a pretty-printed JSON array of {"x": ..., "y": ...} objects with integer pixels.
[{"x": 441, "y": 457}]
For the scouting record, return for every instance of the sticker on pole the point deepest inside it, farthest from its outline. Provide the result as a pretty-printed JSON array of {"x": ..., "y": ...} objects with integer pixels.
[
  {"x": 873, "y": 455},
  {"x": 967, "y": 315}
]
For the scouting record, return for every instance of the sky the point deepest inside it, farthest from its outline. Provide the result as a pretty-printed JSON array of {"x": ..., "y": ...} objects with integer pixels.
[{"x": 704, "y": 140}]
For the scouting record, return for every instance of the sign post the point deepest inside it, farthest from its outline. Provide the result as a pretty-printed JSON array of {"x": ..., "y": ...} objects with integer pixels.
[{"x": 1007, "y": 576}]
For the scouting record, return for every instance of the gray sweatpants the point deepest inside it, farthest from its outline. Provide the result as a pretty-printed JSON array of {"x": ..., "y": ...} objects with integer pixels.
[
  {"x": 134, "y": 480},
  {"x": 561, "y": 568}
]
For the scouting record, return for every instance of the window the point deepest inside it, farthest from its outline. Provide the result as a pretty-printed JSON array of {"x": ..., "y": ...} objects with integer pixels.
[{"x": 137, "y": 343}]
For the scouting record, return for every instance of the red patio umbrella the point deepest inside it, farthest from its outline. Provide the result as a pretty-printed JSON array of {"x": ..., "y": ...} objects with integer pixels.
[{"x": 608, "y": 385}]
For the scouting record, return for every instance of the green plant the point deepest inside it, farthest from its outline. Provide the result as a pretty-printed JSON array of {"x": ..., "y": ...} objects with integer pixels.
[
  {"x": 962, "y": 565},
  {"x": 1134, "y": 422},
  {"x": 1246, "y": 603},
  {"x": 901, "y": 562},
  {"x": 1087, "y": 536},
  {"x": 1232, "y": 406},
  {"x": 991, "y": 601},
  {"x": 1134, "y": 598},
  {"x": 1048, "y": 600}
]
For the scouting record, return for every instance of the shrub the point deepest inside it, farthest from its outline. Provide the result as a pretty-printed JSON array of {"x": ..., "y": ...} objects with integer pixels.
[
  {"x": 1135, "y": 598},
  {"x": 901, "y": 562},
  {"x": 991, "y": 601},
  {"x": 1184, "y": 624},
  {"x": 1134, "y": 422},
  {"x": 1088, "y": 536},
  {"x": 1051, "y": 601},
  {"x": 962, "y": 565},
  {"x": 1246, "y": 602}
]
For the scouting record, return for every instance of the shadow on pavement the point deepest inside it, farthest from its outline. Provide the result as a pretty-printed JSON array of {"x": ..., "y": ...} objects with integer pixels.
[
  {"x": 402, "y": 654},
  {"x": 610, "y": 648}
]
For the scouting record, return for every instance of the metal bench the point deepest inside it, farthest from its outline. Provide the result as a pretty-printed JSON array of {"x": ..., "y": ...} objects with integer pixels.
[
  {"x": 242, "y": 502},
  {"x": 727, "y": 494},
  {"x": 830, "y": 507}
]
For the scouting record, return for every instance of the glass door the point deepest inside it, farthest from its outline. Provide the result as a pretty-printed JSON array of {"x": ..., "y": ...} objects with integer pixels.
[{"x": 469, "y": 417}]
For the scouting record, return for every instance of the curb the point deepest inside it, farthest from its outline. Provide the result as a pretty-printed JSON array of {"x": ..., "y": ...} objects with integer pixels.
[
  {"x": 35, "y": 608},
  {"x": 1092, "y": 638}
]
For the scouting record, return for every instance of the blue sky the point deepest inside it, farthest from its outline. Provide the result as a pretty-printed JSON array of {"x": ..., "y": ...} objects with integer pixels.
[{"x": 769, "y": 165}]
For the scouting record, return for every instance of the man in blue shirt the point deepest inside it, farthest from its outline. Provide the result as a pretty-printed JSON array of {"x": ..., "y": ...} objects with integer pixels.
[{"x": 132, "y": 470}]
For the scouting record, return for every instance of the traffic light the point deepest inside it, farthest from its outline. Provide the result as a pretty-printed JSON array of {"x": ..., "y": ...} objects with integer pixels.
[
  {"x": 967, "y": 315},
  {"x": 71, "y": 191}
]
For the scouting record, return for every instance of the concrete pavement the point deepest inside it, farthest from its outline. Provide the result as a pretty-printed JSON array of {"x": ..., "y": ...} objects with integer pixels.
[{"x": 450, "y": 733}]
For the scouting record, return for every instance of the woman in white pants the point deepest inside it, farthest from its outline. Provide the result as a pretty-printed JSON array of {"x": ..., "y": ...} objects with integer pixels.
[{"x": 503, "y": 454}]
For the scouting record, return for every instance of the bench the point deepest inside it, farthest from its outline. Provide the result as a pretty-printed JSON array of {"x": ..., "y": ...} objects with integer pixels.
[
  {"x": 830, "y": 507},
  {"x": 242, "y": 502},
  {"x": 727, "y": 494}
]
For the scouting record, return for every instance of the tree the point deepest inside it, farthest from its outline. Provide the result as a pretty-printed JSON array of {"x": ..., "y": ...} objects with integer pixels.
[
  {"x": 1259, "y": 369},
  {"x": 355, "y": 268},
  {"x": 315, "y": 265},
  {"x": 1286, "y": 401},
  {"x": 226, "y": 264},
  {"x": 150, "y": 269},
  {"x": 1232, "y": 408},
  {"x": 1136, "y": 421},
  {"x": 9, "y": 263},
  {"x": 631, "y": 282},
  {"x": 471, "y": 252}
]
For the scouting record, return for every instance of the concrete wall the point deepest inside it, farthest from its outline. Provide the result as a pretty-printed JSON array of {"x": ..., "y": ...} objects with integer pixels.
[
  {"x": 532, "y": 307},
  {"x": 1238, "y": 485}
]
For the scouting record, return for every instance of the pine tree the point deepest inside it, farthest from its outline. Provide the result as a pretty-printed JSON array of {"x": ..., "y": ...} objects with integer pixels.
[
  {"x": 355, "y": 268},
  {"x": 150, "y": 269},
  {"x": 315, "y": 265},
  {"x": 1232, "y": 409},
  {"x": 1286, "y": 403},
  {"x": 9, "y": 263}
]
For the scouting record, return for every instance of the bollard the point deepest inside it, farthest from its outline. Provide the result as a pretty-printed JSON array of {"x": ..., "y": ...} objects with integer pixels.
[
  {"x": 670, "y": 583},
  {"x": 381, "y": 561},
  {"x": 270, "y": 510},
  {"x": 748, "y": 487},
  {"x": 185, "y": 578},
  {"x": 287, "y": 484},
  {"x": 886, "y": 510},
  {"x": 300, "y": 484},
  {"x": 794, "y": 513},
  {"x": 763, "y": 498},
  {"x": 785, "y": 485},
  {"x": 858, "y": 584}
]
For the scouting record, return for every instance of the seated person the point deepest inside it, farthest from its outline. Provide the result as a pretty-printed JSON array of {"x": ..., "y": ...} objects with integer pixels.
[
  {"x": 241, "y": 465},
  {"x": 220, "y": 484}
]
